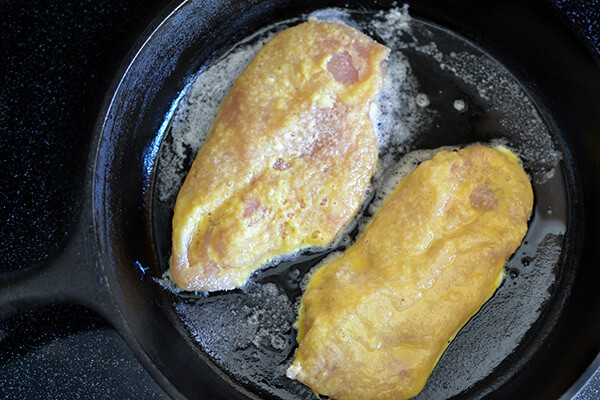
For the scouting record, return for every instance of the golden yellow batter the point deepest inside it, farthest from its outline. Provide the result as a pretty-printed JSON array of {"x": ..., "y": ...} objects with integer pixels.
[
  {"x": 288, "y": 158},
  {"x": 373, "y": 324}
]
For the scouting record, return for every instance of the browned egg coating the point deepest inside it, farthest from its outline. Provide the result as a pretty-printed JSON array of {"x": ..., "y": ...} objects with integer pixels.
[
  {"x": 373, "y": 324},
  {"x": 288, "y": 158}
]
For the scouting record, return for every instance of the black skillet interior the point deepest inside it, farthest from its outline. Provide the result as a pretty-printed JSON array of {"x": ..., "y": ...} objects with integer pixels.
[{"x": 235, "y": 345}]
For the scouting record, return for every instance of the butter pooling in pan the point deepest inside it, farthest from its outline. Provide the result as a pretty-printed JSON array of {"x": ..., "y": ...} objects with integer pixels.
[{"x": 288, "y": 158}]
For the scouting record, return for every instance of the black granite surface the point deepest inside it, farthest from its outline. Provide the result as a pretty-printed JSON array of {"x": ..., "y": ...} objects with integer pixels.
[
  {"x": 57, "y": 60},
  {"x": 80, "y": 358},
  {"x": 584, "y": 17}
]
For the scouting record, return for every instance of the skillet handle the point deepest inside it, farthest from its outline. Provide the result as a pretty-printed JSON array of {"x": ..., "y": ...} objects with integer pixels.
[{"x": 73, "y": 276}]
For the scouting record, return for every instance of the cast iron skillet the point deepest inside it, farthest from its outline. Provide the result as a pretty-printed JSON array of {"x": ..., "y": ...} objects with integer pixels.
[{"x": 110, "y": 264}]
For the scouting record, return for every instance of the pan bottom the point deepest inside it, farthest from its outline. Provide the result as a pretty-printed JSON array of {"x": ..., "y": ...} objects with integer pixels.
[{"x": 441, "y": 90}]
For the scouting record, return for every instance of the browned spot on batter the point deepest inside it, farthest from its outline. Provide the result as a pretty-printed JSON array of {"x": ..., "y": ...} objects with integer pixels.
[
  {"x": 281, "y": 165},
  {"x": 251, "y": 206},
  {"x": 219, "y": 243},
  {"x": 212, "y": 269},
  {"x": 329, "y": 44},
  {"x": 231, "y": 107},
  {"x": 400, "y": 369},
  {"x": 341, "y": 67},
  {"x": 483, "y": 198},
  {"x": 360, "y": 60},
  {"x": 199, "y": 253},
  {"x": 331, "y": 123}
]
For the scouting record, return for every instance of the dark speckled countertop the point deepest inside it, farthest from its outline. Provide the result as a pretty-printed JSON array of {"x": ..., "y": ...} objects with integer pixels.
[{"x": 57, "y": 62}]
